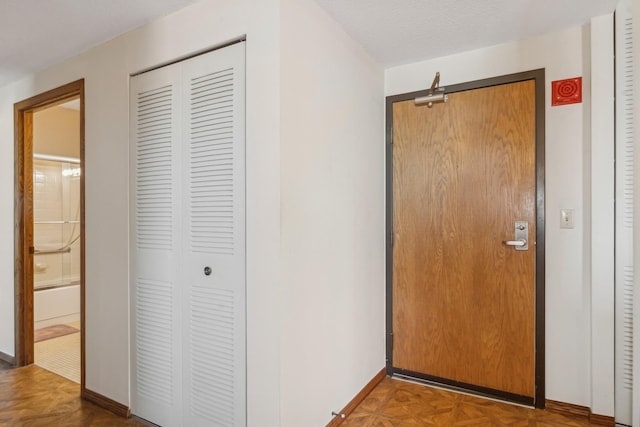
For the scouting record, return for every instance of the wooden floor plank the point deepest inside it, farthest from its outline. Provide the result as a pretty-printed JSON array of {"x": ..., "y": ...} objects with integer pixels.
[
  {"x": 397, "y": 403},
  {"x": 32, "y": 397}
]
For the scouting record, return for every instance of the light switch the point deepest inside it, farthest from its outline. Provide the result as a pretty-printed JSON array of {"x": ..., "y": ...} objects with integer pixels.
[{"x": 566, "y": 218}]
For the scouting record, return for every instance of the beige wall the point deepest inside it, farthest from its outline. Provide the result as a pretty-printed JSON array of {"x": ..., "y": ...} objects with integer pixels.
[{"x": 56, "y": 131}]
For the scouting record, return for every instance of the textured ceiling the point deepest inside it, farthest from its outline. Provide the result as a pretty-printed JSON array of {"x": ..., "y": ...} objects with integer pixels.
[
  {"x": 37, "y": 33},
  {"x": 401, "y": 31}
]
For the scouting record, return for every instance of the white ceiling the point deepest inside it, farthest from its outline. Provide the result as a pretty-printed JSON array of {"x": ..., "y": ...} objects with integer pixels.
[
  {"x": 402, "y": 31},
  {"x": 37, "y": 33}
]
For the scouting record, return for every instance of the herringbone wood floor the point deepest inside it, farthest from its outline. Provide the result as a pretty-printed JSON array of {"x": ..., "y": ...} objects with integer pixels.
[
  {"x": 34, "y": 397},
  {"x": 396, "y": 403}
]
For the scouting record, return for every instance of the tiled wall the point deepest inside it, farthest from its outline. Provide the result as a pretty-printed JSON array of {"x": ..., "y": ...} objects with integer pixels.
[{"x": 56, "y": 199}]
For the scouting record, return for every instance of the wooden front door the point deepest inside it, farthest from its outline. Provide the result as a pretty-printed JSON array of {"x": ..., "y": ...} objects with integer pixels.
[{"x": 463, "y": 301}]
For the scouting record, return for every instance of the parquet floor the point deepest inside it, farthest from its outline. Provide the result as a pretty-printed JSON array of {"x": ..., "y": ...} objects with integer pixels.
[
  {"x": 34, "y": 397},
  {"x": 396, "y": 403}
]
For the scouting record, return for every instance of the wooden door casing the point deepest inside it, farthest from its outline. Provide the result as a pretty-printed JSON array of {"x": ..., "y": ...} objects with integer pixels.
[
  {"x": 23, "y": 219},
  {"x": 463, "y": 305}
]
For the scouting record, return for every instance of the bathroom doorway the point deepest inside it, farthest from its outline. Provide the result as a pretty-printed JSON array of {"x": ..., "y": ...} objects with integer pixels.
[
  {"x": 49, "y": 224},
  {"x": 56, "y": 236}
]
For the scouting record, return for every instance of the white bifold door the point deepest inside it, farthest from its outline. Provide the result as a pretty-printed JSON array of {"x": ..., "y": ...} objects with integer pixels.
[
  {"x": 188, "y": 242},
  {"x": 624, "y": 275}
]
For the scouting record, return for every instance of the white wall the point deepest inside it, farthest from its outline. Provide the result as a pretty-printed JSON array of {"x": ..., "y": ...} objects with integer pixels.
[
  {"x": 332, "y": 247},
  {"x": 602, "y": 225},
  {"x": 568, "y": 291},
  {"x": 106, "y": 70}
]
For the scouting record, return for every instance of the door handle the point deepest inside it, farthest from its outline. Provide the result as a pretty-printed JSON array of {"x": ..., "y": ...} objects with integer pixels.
[{"x": 521, "y": 232}]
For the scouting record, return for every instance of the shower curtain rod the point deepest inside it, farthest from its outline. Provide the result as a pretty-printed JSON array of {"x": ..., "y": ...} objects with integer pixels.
[{"x": 56, "y": 158}]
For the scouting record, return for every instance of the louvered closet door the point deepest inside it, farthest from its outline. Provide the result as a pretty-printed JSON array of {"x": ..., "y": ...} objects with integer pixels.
[
  {"x": 188, "y": 242},
  {"x": 214, "y": 231},
  {"x": 624, "y": 213},
  {"x": 155, "y": 246}
]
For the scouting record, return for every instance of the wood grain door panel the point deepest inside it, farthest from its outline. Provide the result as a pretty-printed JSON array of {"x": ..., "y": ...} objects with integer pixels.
[{"x": 463, "y": 302}]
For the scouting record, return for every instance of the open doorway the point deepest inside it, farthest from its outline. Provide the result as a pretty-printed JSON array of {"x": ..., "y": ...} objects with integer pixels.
[{"x": 49, "y": 231}]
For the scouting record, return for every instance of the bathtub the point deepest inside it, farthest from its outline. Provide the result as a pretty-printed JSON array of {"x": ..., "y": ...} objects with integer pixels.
[{"x": 56, "y": 305}]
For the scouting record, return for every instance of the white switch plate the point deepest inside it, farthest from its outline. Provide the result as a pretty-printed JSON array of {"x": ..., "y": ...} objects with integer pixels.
[{"x": 566, "y": 218}]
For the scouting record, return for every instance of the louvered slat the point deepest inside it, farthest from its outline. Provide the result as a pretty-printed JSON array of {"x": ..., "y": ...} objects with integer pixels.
[
  {"x": 211, "y": 163},
  {"x": 154, "y": 174},
  {"x": 627, "y": 329},
  {"x": 154, "y": 319},
  {"x": 212, "y": 367},
  {"x": 627, "y": 139}
]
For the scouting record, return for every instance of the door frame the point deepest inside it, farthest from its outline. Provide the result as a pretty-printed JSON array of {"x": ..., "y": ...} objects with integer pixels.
[
  {"x": 538, "y": 76},
  {"x": 23, "y": 219}
]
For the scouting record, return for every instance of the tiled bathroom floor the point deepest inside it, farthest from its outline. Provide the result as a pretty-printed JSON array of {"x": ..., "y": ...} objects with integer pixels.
[{"x": 60, "y": 355}]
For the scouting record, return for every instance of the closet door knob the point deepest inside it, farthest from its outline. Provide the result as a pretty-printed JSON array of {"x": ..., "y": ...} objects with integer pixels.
[{"x": 207, "y": 271}]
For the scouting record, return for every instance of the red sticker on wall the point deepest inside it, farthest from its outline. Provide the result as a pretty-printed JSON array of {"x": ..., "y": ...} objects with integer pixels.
[{"x": 567, "y": 91}]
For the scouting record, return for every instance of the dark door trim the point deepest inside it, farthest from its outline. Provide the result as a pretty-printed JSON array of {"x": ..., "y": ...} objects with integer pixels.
[
  {"x": 539, "y": 77},
  {"x": 23, "y": 217}
]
